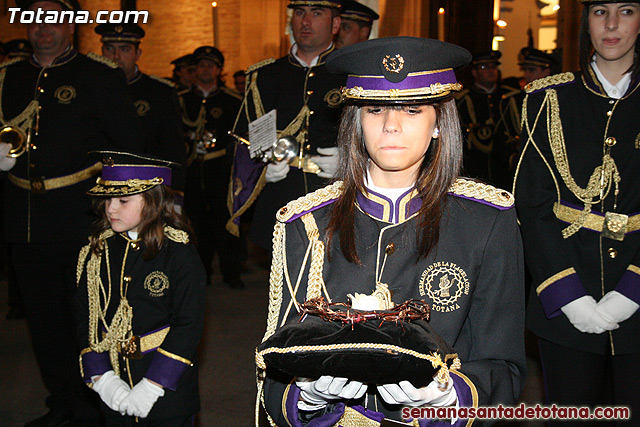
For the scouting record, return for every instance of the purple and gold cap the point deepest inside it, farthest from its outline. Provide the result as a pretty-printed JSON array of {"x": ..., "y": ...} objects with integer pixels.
[
  {"x": 398, "y": 70},
  {"x": 125, "y": 174},
  {"x": 334, "y": 4}
]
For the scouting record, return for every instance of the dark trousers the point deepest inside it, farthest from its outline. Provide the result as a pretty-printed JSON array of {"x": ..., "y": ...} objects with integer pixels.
[
  {"x": 46, "y": 277},
  {"x": 577, "y": 378}
]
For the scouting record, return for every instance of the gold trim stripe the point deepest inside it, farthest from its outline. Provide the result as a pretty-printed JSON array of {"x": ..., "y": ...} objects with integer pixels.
[
  {"x": 417, "y": 73},
  {"x": 358, "y": 92},
  {"x": 551, "y": 280},
  {"x": 174, "y": 357},
  {"x": 474, "y": 393},
  {"x": 632, "y": 268},
  {"x": 592, "y": 222},
  {"x": 60, "y": 182},
  {"x": 213, "y": 155}
]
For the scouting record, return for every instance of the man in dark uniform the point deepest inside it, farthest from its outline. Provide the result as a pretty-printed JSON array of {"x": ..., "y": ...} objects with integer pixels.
[
  {"x": 208, "y": 112},
  {"x": 355, "y": 25},
  {"x": 534, "y": 64},
  {"x": 183, "y": 70},
  {"x": 479, "y": 113},
  {"x": 155, "y": 99},
  {"x": 64, "y": 104},
  {"x": 308, "y": 104}
]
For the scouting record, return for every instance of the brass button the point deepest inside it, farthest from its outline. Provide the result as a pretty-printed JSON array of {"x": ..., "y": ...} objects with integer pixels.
[
  {"x": 308, "y": 147},
  {"x": 311, "y": 74},
  {"x": 310, "y": 112},
  {"x": 612, "y": 253},
  {"x": 610, "y": 141},
  {"x": 31, "y": 165},
  {"x": 135, "y": 246},
  {"x": 204, "y": 101},
  {"x": 33, "y": 147},
  {"x": 390, "y": 249},
  {"x": 127, "y": 279},
  {"x": 309, "y": 92},
  {"x": 45, "y": 75},
  {"x": 41, "y": 90},
  {"x": 611, "y": 101},
  {"x": 609, "y": 113}
]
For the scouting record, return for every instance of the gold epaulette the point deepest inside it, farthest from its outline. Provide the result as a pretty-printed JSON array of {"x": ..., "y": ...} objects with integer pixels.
[
  {"x": 232, "y": 92},
  {"x": 260, "y": 64},
  {"x": 82, "y": 256},
  {"x": 163, "y": 80},
  {"x": 177, "y": 236},
  {"x": 309, "y": 202},
  {"x": 482, "y": 192},
  {"x": 11, "y": 61},
  {"x": 103, "y": 60},
  {"x": 545, "y": 82}
]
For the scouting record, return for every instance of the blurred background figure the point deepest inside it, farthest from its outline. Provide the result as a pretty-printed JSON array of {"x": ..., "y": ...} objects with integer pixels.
[
  {"x": 183, "y": 72},
  {"x": 239, "y": 80},
  {"x": 355, "y": 27},
  {"x": 535, "y": 64},
  {"x": 18, "y": 48}
]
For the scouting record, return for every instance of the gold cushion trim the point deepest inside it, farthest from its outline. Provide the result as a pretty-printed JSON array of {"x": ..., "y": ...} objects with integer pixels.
[
  {"x": 593, "y": 222},
  {"x": 174, "y": 357},
  {"x": 551, "y": 280},
  {"x": 474, "y": 394},
  {"x": 60, "y": 182}
]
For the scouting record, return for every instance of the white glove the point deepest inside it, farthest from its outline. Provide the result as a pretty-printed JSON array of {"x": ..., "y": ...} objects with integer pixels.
[
  {"x": 141, "y": 399},
  {"x": 315, "y": 394},
  {"x": 328, "y": 161},
  {"x": 112, "y": 390},
  {"x": 6, "y": 163},
  {"x": 404, "y": 393},
  {"x": 615, "y": 307},
  {"x": 583, "y": 316},
  {"x": 277, "y": 171}
]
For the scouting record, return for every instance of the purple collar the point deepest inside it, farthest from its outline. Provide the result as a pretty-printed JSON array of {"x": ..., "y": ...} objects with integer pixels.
[{"x": 384, "y": 209}]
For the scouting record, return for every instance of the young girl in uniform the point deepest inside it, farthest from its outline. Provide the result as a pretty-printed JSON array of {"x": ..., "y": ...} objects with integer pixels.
[
  {"x": 400, "y": 215},
  {"x": 140, "y": 298}
]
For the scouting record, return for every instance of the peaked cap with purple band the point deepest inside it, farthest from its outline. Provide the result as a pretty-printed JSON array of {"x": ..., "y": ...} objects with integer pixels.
[
  {"x": 333, "y": 4},
  {"x": 125, "y": 174},
  {"x": 399, "y": 70}
]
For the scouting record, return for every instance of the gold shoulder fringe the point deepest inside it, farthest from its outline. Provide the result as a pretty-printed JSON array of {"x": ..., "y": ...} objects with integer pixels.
[
  {"x": 260, "y": 64},
  {"x": 554, "y": 80},
  {"x": 11, "y": 61},
  {"x": 103, "y": 60},
  {"x": 480, "y": 191},
  {"x": 163, "y": 80},
  {"x": 177, "y": 236},
  {"x": 82, "y": 256},
  {"x": 232, "y": 92},
  {"x": 309, "y": 201}
]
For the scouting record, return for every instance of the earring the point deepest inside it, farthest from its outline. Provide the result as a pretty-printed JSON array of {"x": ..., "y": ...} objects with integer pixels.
[{"x": 436, "y": 133}]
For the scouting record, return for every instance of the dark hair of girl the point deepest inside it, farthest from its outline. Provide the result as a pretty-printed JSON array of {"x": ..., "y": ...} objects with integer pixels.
[
  {"x": 587, "y": 50},
  {"x": 157, "y": 212},
  {"x": 438, "y": 171}
]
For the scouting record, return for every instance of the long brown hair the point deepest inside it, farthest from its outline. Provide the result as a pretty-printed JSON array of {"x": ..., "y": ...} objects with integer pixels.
[
  {"x": 158, "y": 211},
  {"x": 587, "y": 50},
  {"x": 439, "y": 169}
]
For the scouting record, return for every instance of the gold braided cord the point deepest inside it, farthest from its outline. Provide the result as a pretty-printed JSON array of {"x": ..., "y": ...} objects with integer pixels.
[
  {"x": 82, "y": 256},
  {"x": 554, "y": 80},
  {"x": 255, "y": 94},
  {"x": 601, "y": 179},
  {"x": 120, "y": 327},
  {"x": 24, "y": 120},
  {"x": 436, "y": 89},
  {"x": 309, "y": 201},
  {"x": 314, "y": 280},
  {"x": 135, "y": 183}
]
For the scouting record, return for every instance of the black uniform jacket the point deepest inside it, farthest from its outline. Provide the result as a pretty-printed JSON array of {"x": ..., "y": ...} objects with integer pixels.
[
  {"x": 564, "y": 269},
  {"x": 156, "y": 104},
  {"x": 84, "y": 106},
  {"x": 167, "y": 291},
  {"x": 479, "y": 114},
  {"x": 289, "y": 87},
  {"x": 479, "y": 251}
]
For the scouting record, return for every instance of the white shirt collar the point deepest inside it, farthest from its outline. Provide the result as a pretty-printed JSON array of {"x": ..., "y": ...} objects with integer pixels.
[
  {"x": 314, "y": 62},
  {"x": 616, "y": 91}
]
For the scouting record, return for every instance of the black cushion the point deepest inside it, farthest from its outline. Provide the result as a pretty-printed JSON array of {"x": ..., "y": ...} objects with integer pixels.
[{"x": 373, "y": 352}]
